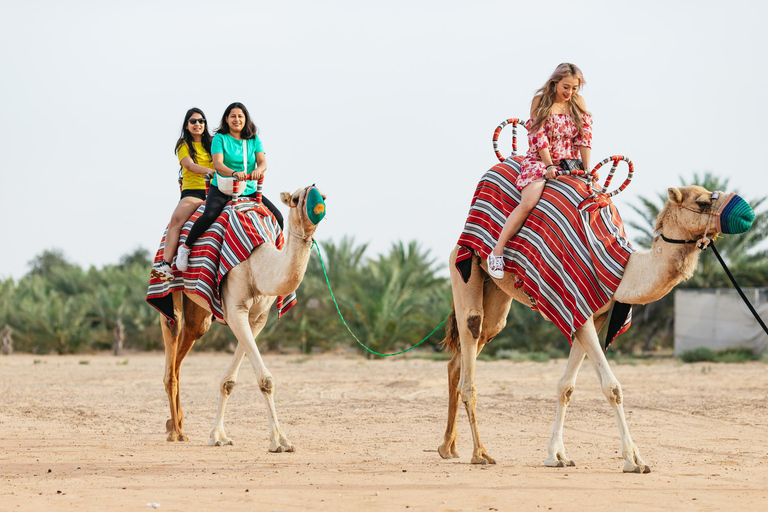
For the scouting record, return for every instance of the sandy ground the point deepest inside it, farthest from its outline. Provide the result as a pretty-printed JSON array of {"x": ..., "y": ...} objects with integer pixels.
[{"x": 88, "y": 433}]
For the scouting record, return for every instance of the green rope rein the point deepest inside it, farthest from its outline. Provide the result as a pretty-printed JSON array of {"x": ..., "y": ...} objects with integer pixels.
[{"x": 322, "y": 264}]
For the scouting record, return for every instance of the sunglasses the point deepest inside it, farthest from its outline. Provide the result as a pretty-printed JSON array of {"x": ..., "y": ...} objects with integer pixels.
[{"x": 196, "y": 120}]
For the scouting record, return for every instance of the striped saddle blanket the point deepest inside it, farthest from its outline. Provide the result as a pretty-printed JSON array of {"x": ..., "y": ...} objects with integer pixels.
[
  {"x": 569, "y": 260},
  {"x": 240, "y": 228}
]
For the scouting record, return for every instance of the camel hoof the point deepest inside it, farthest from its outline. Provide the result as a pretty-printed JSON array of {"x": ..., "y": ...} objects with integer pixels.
[
  {"x": 175, "y": 437},
  {"x": 571, "y": 463},
  {"x": 560, "y": 464},
  {"x": 636, "y": 469},
  {"x": 646, "y": 469},
  {"x": 447, "y": 454}
]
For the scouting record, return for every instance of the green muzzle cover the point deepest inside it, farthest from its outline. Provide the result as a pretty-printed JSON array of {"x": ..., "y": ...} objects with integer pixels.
[{"x": 315, "y": 206}]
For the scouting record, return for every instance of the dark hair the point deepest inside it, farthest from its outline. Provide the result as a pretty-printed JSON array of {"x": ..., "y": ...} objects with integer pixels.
[
  {"x": 187, "y": 138},
  {"x": 249, "y": 130}
]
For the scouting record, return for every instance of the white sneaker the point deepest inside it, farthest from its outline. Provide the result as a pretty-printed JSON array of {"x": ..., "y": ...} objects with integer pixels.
[
  {"x": 182, "y": 258},
  {"x": 163, "y": 271},
  {"x": 495, "y": 266}
]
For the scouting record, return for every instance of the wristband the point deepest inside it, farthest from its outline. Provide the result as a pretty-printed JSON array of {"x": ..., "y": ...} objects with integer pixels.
[{"x": 553, "y": 165}]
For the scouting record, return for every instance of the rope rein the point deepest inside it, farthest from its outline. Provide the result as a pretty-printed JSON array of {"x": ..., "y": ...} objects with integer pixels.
[{"x": 322, "y": 264}]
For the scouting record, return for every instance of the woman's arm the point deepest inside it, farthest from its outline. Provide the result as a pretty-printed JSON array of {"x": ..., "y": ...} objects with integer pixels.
[
  {"x": 544, "y": 153},
  {"x": 190, "y": 165},
  {"x": 218, "y": 164},
  {"x": 261, "y": 166}
]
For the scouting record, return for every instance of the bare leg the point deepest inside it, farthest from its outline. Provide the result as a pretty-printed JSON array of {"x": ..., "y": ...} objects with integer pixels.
[
  {"x": 181, "y": 214},
  {"x": 587, "y": 337},
  {"x": 530, "y": 195}
]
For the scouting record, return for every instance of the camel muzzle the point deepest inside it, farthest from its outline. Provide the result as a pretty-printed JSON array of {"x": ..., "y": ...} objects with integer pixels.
[
  {"x": 315, "y": 206},
  {"x": 734, "y": 216}
]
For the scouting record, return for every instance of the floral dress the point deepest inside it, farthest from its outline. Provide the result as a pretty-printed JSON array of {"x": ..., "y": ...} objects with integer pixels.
[{"x": 559, "y": 134}]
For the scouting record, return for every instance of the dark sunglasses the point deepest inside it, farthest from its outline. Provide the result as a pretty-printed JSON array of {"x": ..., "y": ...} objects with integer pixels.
[{"x": 195, "y": 120}]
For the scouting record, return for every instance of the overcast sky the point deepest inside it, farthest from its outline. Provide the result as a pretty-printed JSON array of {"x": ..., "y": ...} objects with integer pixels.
[{"x": 389, "y": 107}]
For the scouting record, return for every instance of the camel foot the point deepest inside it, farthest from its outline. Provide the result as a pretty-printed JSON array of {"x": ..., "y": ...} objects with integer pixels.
[
  {"x": 174, "y": 437},
  {"x": 558, "y": 461},
  {"x": 634, "y": 464},
  {"x": 448, "y": 452},
  {"x": 219, "y": 438},
  {"x": 282, "y": 446},
  {"x": 638, "y": 469},
  {"x": 483, "y": 458}
]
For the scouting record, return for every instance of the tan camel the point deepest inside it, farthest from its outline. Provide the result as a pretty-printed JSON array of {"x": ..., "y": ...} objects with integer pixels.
[
  {"x": 481, "y": 306},
  {"x": 248, "y": 292}
]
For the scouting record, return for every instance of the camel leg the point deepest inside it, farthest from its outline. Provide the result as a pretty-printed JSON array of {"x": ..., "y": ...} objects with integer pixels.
[
  {"x": 448, "y": 450},
  {"x": 197, "y": 321},
  {"x": 586, "y": 335},
  {"x": 556, "y": 457},
  {"x": 170, "y": 378},
  {"x": 476, "y": 328},
  {"x": 226, "y": 387},
  {"x": 245, "y": 331},
  {"x": 565, "y": 387}
]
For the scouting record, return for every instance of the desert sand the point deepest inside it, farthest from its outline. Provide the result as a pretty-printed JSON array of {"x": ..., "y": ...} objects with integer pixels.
[{"x": 87, "y": 432}]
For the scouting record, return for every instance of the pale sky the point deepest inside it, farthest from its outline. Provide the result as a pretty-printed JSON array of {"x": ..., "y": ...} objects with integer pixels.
[{"x": 389, "y": 107}]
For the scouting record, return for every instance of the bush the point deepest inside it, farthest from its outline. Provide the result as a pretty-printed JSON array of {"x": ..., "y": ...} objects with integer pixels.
[
  {"x": 698, "y": 354},
  {"x": 733, "y": 355}
]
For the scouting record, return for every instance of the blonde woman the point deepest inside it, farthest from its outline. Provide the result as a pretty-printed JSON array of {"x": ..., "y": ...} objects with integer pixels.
[{"x": 559, "y": 128}]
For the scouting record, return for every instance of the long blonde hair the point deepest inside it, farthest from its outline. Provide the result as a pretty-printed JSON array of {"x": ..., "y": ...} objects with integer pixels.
[{"x": 547, "y": 94}]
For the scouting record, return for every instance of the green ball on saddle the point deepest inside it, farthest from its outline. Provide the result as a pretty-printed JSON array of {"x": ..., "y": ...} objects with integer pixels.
[
  {"x": 736, "y": 216},
  {"x": 315, "y": 206}
]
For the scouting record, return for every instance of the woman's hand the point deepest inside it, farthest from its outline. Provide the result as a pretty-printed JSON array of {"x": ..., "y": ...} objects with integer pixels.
[
  {"x": 241, "y": 176},
  {"x": 551, "y": 172},
  {"x": 256, "y": 175}
]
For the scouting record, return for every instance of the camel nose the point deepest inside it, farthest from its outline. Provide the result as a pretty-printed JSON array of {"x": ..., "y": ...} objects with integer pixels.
[
  {"x": 315, "y": 206},
  {"x": 736, "y": 216}
]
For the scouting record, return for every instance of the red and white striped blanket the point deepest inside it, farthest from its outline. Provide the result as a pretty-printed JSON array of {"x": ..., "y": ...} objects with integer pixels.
[
  {"x": 569, "y": 261},
  {"x": 230, "y": 240}
]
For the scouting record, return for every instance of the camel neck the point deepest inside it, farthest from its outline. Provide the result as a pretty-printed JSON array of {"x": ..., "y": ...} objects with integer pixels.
[{"x": 650, "y": 275}]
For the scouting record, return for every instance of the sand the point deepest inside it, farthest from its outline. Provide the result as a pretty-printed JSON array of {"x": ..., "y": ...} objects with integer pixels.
[{"x": 88, "y": 433}]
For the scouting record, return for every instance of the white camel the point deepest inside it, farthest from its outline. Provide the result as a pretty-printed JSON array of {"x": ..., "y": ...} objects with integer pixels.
[
  {"x": 248, "y": 292},
  {"x": 481, "y": 306}
]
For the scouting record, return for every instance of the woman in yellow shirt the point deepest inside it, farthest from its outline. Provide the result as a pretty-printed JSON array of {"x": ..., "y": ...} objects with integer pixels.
[{"x": 194, "y": 151}]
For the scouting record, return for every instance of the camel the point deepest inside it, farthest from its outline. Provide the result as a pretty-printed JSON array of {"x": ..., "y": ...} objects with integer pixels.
[
  {"x": 481, "y": 306},
  {"x": 247, "y": 293}
]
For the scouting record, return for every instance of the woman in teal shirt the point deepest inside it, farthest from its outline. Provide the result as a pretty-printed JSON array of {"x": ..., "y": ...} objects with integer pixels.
[{"x": 227, "y": 153}]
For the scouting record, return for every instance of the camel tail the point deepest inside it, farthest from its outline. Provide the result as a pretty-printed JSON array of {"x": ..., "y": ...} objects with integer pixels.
[{"x": 451, "y": 340}]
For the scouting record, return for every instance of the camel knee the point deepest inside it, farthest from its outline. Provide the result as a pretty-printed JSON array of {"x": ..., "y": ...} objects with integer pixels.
[
  {"x": 613, "y": 394},
  {"x": 227, "y": 387},
  {"x": 475, "y": 323},
  {"x": 468, "y": 394},
  {"x": 565, "y": 391},
  {"x": 170, "y": 382},
  {"x": 267, "y": 385}
]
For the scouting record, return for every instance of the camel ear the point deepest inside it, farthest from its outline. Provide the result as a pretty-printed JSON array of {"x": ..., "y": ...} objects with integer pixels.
[
  {"x": 675, "y": 195},
  {"x": 285, "y": 197}
]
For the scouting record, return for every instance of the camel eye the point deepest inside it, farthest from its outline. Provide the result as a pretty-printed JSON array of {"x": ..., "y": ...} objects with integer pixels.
[
  {"x": 703, "y": 205},
  {"x": 295, "y": 201}
]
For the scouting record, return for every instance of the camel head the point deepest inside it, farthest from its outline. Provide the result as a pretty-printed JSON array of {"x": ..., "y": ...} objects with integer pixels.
[
  {"x": 693, "y": 211},
  {"x": 307, "y": 210}
]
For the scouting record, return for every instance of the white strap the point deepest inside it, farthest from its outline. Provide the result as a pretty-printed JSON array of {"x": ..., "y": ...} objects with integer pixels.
[{"x": 245, "y": 156}]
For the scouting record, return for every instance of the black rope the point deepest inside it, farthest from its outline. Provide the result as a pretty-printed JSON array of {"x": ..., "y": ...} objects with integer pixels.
[{"x": 744, "y": 297}]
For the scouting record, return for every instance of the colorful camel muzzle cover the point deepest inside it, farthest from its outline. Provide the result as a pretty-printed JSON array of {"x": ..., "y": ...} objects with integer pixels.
[
  {"x": 734, "y": 216},
  {"x": 315, "y": 206}
]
